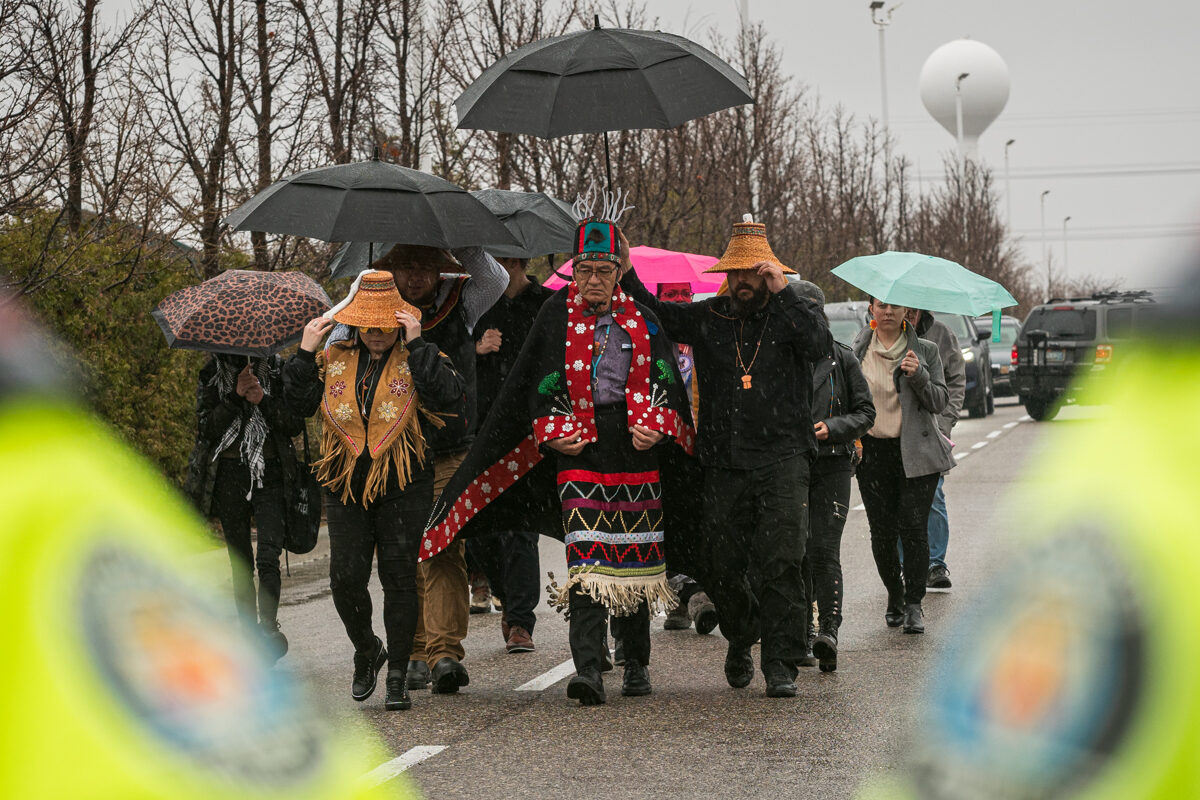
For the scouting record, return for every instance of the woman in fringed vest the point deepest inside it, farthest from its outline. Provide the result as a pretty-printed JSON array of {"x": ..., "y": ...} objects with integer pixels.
[{"x": 380, "y": 394}]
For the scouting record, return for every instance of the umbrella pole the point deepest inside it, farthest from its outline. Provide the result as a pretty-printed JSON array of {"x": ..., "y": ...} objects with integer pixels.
[
  {"x": 607, "y": 162},
  {"x": 370, "y": 253}
]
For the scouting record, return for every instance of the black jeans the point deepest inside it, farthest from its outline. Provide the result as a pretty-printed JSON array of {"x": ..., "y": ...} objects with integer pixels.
[
  {"x": 266, "y": 506},
  {"x": 897, "y": 511},
  {"x": 586, "y": 632},
  {"x": 828, "y": 502},
  {"x": 757, "y": 522},
  {"x": 392, "y": 527},
  {"x": 510, "y": 561}
]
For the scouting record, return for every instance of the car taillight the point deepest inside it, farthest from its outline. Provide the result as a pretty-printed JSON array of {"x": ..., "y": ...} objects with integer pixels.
[
  {"x": 1104, "y": 354},
  {"x": 1013, "y": 360}
]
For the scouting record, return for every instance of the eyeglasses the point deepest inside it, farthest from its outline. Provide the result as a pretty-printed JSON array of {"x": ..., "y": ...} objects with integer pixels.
[
  {"x": 384, "y": 331},
  {"x": 604, "y": 270}
]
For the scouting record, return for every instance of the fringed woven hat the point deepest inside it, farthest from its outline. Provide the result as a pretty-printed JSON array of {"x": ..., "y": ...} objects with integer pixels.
[
  {"x": 747, "y": 246},
  {"x": 597, "y": 238},
  {"x": 372, "y": 302}
]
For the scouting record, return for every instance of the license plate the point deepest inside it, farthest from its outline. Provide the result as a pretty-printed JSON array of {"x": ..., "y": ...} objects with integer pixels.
[
  {"x": 1004, "y": 370},
  {"x": 1055, "y": 356}
]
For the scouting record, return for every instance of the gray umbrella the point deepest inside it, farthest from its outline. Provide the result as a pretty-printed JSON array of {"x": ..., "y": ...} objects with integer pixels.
[
  {"x": 604, "y": 79},
  {"x": 371, "y": 201},
  {"x": 541, "y": 224}
]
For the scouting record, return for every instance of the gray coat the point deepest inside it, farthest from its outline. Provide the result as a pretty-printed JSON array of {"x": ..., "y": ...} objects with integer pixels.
[
  {"x": 923, "y": 397},
  {"x": 953, "y": 366}
]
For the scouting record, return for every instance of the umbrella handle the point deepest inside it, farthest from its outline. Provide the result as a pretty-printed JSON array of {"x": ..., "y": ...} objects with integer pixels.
[{"x": 607, "y": 159}]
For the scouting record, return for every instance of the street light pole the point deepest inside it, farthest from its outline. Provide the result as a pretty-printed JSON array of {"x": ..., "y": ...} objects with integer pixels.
[
  {"x": 1045, "y": 256},
  {"x": 962, "y": 156},
  {"x": 1007, "y": 184},
  {"x": 882, "y": 20},
  {"x": 1064, "y": 267}
]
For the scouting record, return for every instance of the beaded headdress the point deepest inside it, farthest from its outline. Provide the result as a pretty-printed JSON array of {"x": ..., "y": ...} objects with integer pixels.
[{"x": 597, "y": 238}]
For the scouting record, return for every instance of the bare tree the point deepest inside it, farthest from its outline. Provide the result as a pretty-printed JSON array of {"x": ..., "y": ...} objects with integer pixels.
[
  {"x": 190, "y": 65},
  {"x": 338, "y": 56}
]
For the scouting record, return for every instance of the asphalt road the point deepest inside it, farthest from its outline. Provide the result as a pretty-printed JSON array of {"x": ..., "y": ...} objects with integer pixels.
[{"x": 694, "y": 736}]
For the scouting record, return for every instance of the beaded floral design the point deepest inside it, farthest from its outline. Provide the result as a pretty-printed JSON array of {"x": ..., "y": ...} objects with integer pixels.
[
  {"x": 343, "y": 413},
  {"x": 336, "y": 368},
  {"x": 336, "y": 389},
  {"x": 388, "y": 411}
]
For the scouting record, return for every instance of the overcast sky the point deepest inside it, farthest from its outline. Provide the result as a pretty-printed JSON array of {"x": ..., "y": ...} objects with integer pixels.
[{"x": 1097, "y": 86}]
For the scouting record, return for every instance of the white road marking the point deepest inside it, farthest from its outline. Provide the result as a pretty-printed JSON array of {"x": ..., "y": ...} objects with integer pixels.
[
  {"x": 390, "y": 769},
  {"x": 859, "y": 507},
  {"x": 961, "y": 456},
  {"x": 1009, "y": 425},
  {"x": 548, "y": 679},
  {"x": 978, "y": 445},
  {"x": 1026, "y": 418},
  {"x": 994, "y": 434}
]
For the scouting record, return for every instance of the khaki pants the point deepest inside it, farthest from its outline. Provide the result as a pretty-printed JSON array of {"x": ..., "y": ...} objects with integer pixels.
[{"x": 443, "y": 599}]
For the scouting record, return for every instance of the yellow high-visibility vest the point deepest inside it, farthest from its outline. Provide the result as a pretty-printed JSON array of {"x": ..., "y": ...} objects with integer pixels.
[
  {"x": 1074, "y": 674},
  {"x": 125, "y": 675}
]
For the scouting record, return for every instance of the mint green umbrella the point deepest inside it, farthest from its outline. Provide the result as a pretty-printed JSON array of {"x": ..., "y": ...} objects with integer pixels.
[{"x": 926, "y": 282}]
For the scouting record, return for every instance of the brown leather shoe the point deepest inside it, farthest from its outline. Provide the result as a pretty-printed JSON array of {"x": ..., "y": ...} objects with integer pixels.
[{"x": 519, "y": 640}]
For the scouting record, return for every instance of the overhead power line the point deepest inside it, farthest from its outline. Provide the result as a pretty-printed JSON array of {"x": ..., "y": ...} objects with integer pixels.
[{"x": 1092, "y": 171}]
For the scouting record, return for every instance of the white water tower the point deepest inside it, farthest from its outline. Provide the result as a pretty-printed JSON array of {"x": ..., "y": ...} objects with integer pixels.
[{"x": 964, "y": 86}]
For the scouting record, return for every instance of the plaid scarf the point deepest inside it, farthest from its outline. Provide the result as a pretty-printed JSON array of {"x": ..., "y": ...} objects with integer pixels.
[{"x": 253, "y": 428}]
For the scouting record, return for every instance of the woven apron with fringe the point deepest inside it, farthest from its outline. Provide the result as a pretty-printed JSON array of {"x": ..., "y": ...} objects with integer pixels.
[{"x": 613, "y": 519}]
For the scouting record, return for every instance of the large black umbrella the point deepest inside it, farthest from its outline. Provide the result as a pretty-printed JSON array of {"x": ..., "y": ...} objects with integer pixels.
[
  {"x": 541, "y": 224},
  {"x": 604, "y": 79},
  {"x": 241, "y": 312},
  {"x": 371, "y": 201}
]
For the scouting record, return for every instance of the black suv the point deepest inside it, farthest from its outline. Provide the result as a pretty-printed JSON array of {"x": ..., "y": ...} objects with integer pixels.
[{"x": 1069, "y": 335}]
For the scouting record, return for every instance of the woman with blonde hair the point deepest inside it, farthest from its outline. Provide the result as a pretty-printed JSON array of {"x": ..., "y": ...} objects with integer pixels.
[{"x": 903, "y": 455}]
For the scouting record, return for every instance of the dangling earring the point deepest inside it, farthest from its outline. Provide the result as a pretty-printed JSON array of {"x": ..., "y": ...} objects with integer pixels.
[
  {"x": 904, "y": 325},
  {"x": 872, "y": 324}
]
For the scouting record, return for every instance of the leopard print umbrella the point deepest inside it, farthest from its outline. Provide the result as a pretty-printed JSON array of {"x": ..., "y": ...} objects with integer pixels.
[{"x": 241, "y": 312}]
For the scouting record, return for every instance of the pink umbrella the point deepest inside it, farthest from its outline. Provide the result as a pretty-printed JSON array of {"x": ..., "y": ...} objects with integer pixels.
[{"x": 655, "y": 266}]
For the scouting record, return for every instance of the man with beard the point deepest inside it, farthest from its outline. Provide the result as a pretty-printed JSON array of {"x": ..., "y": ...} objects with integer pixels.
[
  {"x": 754, "y": 350},
  {"x": 450, "y": 307}
]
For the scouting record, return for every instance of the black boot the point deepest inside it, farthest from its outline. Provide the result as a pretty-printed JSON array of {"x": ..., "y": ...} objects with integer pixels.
[
  {"x": 739, "y": 666},
  {"x": 809, "y": 660},
  {"x": 366, "y": 670},
  {"x": 637, "y": 679},
  {"x": 825, "y": 646},
  {"x": 587, "y": 687},
  {"x": 448, "y": 675},
  {"x": 397, "y": 698},
  {"x": 914, "y": 618},
  {"x": 894, "y": 616},
  {"x": 781, "y": 682},
  {"x": 417, "y": 676},
  {"x": 703, "y": 612},
  {"x": 277, "y": 643}
]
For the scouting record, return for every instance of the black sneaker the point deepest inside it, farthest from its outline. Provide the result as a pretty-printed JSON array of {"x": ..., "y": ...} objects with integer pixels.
[
  {"x": 366, "y": 670},
  {"x": 739, "y": 666},
  {"x": 417, "y": 676},
  {"x": 637, "y": 679},
  {"x": 448, "y": 675},
  {"x": 397, "y": 698},
  {"x": 678, "y": 618},
  {"x": 939, "y": 577},
  {"x": 588, "y": 688}
]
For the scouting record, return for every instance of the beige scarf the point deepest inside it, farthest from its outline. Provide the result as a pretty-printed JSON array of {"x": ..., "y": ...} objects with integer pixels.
[{"x": 879, "y": 368}]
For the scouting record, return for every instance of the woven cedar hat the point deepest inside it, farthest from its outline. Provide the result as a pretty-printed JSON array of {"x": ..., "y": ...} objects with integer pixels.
[
  {"x": 747, "y": 246},
  {"x": 372, "y": 302}
]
